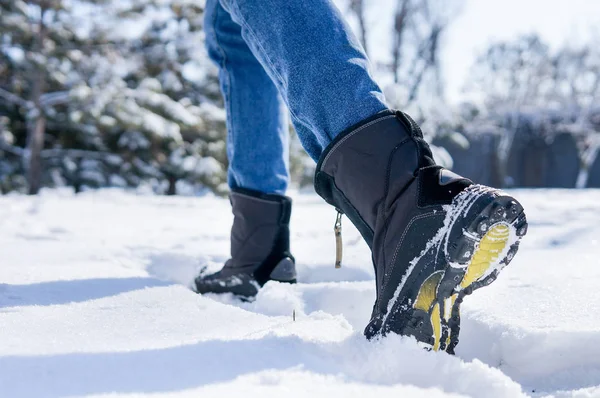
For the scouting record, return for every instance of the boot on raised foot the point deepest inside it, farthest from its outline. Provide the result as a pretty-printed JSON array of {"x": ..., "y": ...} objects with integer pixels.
[{"x": 434, "y": 235}]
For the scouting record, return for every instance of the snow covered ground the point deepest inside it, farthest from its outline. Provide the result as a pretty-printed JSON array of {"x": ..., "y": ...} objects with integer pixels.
[{"x": 93, "y": 303}]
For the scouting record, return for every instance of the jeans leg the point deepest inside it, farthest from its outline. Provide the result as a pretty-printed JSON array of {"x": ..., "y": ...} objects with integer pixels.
[
  {"x": 315, "y": 61},
  {"x": 257, "y": 118}
]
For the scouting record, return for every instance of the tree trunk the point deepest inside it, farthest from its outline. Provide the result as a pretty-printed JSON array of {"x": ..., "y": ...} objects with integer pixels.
[
  {"x": 172, "y": 186},
  {"x": 400, "y": 22},
  {"x": 37, "y": 127},
  {"x": 359, "y": 9},
  {"x": 36, "y": 144}
]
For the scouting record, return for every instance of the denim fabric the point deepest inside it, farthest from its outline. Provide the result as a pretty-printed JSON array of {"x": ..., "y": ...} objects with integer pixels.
[
  {"x": 312, "y": 59},
  {"x": 257, "y": 119}
]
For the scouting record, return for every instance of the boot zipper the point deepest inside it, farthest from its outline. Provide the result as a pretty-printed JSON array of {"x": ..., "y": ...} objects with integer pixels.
[{"x": 338, "y": 240}]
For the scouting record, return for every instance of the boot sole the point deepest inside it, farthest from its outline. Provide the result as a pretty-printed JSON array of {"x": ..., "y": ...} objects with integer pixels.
[
  {"x": 484, "y": 228},
  {"x": 243, "y": 284},
  {"x": 244, "y": 287}
]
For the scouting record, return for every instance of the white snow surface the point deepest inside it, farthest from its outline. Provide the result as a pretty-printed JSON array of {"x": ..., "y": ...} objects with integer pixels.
[{"x": 93, "y": 302}]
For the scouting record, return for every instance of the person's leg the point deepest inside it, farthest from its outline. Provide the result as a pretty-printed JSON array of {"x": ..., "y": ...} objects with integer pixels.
[
  {"x": 316, "y": 62},
  {"x": 257, "y": 119},
  {"x": 434, "y": 235},
  {"x": 257, "y": 148}
]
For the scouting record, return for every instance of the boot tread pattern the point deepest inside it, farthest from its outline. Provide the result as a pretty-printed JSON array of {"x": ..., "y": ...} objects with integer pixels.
[{"x": 489, "y": 241}]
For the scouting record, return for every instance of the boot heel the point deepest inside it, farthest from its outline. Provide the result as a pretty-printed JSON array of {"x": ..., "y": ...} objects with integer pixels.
[{"x": 285, "y": 271}]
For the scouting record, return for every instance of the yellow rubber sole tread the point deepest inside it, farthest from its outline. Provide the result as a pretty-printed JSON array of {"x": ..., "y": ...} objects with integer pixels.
[
  {"x": 449, "y": 304},
  {"x": 436, "y": 322},
  {"x": 489, "y": 249},
  {"x": 428, "y": 292},
  {"x": 486, "y": 254},
  {"x": 425, "y": 299}
]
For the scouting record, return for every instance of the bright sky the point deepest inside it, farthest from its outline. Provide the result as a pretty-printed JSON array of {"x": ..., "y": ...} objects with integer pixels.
[{"x": 482, "y": 21}]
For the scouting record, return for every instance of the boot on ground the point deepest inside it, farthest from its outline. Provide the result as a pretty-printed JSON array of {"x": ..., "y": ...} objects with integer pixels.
[{"x": 260, "y": 246}]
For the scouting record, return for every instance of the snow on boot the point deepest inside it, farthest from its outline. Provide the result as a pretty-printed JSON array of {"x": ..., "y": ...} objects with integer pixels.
[
  {"x": 434, "y": 235},
  {"x": 260, "y": 246}
]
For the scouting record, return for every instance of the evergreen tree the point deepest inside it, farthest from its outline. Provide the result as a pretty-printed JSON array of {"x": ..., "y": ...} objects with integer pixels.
[{"x": 111, "y": 106}]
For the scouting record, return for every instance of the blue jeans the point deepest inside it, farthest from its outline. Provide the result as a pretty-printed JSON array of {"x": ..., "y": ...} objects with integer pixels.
[{"x": 273, "y": 53}]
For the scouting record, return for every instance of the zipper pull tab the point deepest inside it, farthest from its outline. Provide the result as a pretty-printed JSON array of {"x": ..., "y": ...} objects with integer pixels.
[{"x": 338, "y": 240}]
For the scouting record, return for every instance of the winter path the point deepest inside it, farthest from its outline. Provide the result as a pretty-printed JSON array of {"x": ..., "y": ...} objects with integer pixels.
[{"x": 92, "y": 304}]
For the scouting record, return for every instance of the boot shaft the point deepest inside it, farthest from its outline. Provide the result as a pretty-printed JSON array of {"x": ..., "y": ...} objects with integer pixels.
[
  {"x": 260, "y": 226},
  {"x": 367, "y": 167},
  {"x": 260, "y": 246}
]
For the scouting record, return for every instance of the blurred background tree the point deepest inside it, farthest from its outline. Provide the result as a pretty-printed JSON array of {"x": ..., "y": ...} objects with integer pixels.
[
  {"x": 86, "y": 104},
  {"x": 545, "y": 107},
  {"x": 122, "y": 94}
]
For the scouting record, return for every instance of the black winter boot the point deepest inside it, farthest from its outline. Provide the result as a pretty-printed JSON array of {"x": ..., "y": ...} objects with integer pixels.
[
  {"x": 434, "y": 235},
  {"x": 260, "y": 246}
]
